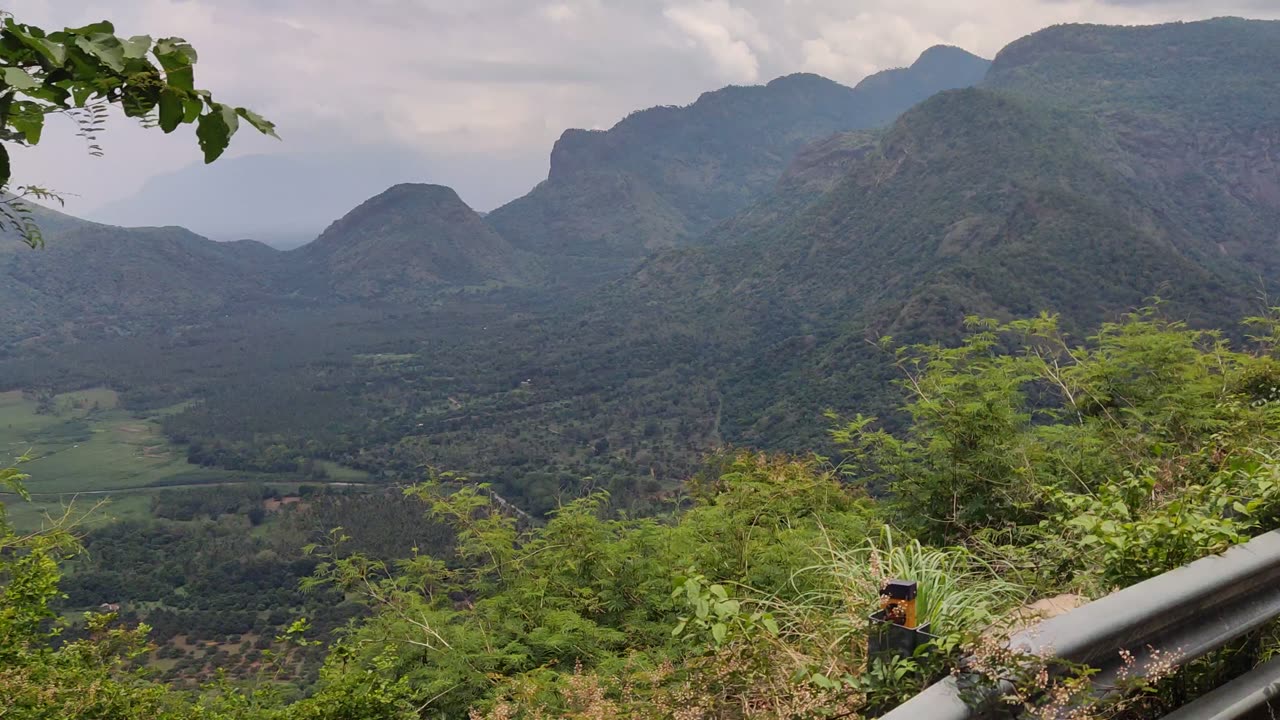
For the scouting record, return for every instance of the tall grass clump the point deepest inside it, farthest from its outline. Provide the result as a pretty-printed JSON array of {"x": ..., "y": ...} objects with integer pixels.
[{"x": 958, "y": 591}]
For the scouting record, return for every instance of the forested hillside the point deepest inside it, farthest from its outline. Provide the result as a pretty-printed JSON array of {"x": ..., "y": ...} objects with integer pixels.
[
  {"x": 96, "y": 281},
  {"x": 1195, "y": 131},
  {"x": 976, "y": 201}
]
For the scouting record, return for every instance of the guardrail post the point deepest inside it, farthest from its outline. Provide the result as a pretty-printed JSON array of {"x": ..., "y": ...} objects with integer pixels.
[{"x": 894, "y": 628}]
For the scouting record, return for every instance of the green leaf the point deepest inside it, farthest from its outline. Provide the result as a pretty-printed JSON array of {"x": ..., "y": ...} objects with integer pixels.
[
  {"x": 191, "y": 109},
  {"x": 702, "y": 609},
  {"x": 137, "y": 46},
  {"x": 183, "y": 78},
  {"x": 177, "y": 59},
  {"x": 174, "y": 52},
  {"x": 18, "y": 78},
  {"x": 4, "y": 167},
  {"x": 80, "y": 94},
  {"x": 727, "y": 608},
  {"x": 719, "y": 591},
  {"x": 52, "y": 51},
  {"x": 97, "y": 28},
  {"x": 30, "y": 123},
  {"x": 110, "y": 53},
  {"x": 171, "y": 110},
  {"x": 1084, "y": 522},
  {"x": 261, "y": 124},
  {"x": 691, "y": 590},
  {"x": 215, "y": 129},
  {"x": 770, "y": 624},
  {"x": 719, "y": 631},
  {"x": 51, "y": 93}
]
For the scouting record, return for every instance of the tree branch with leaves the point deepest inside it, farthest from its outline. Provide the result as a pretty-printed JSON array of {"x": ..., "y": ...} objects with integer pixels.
[{"x": 82, "y": 72}]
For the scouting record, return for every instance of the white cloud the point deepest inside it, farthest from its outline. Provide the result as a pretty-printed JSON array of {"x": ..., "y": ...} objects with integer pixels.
[
  {"x": 855, "y": 47},
  {"x": 730, "y": 36},
  {"x": 560, "y": 12}
]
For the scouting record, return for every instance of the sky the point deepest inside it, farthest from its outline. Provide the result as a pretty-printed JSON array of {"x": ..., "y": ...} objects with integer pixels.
[{"x": 472, "y": 93}]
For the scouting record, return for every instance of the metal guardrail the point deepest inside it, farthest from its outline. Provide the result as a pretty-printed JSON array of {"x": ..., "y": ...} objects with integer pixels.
[
  {"x": 1253, "y": 695},
  {"x": 1180, "y": 615}
]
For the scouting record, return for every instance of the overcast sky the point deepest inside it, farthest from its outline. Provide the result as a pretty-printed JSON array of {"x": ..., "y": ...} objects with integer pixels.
[{"x": 500, "y": 79}]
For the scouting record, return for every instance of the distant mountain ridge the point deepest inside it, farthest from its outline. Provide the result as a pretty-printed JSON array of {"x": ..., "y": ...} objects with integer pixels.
[
  {"x": 1045, "y": 188},
  {"x": 1198, "y": 128},
  {"x": 663, "y": 176},
  {"x": 94, "y": 281},
  {"x": 287, "y": 199},
  {"x": 659, "y": 178},
  {"x": 408, "y": 244}
]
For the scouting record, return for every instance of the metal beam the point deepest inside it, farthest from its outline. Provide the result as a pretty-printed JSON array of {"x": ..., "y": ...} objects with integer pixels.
[
  {"x": 1254, "y": 696},
  {"x": 1177, "y": 616}
]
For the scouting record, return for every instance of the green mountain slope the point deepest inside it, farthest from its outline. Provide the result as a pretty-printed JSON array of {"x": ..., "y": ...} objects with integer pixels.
[
  {"x": 974, "y": 203},
  {"x": 406, "y": 243},
  {"x": 986, "y": 201},
  {"x": 971, "y": 183},
  {"x": 1190, "y": 110},
  {"x": 93, "y": 281},
  {"x": 1054, "y": 188},
  {"x": 663, "y": 176}
]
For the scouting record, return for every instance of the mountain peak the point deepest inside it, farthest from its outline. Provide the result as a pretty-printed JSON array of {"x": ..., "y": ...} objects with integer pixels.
[
  {"x": 941, "y": 67},
  {"x": 576, "y": 150},
  {"x": 942, "y": 55},
  {"x": 423, "y": 191},
  {"x": 408, "y": 241},
  {"x": 803, "y": 79},
  {"x": 663, "y": 176},
  {"x": 405, "y": 203}
]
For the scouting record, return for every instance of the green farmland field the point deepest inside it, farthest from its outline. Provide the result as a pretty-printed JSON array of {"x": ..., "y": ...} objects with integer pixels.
[
  {"x": 83, "y": 452},
  {"x": 86, "y": 444},
  {"x": 82, "y": 449}
]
